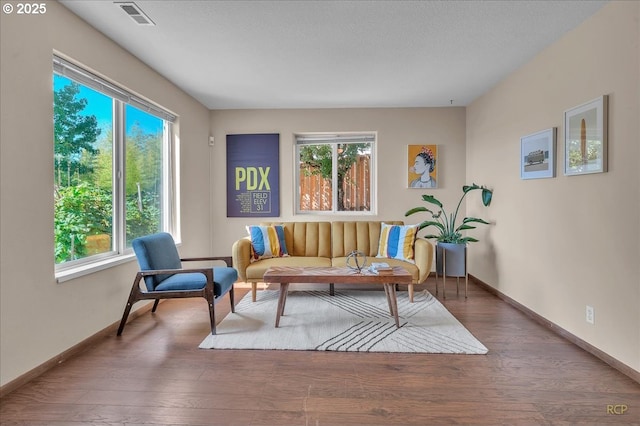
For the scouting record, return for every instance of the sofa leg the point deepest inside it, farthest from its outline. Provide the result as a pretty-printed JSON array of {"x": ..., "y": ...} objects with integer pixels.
[
  {"x": 254, "y": 291},
  {"x": 410, "y": 293}
]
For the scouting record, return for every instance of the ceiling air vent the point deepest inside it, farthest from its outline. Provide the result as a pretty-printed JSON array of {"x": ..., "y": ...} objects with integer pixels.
[{"x": 134, "y": 11}]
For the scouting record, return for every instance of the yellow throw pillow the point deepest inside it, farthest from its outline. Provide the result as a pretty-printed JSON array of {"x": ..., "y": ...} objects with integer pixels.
[{"x": 397, "y": 241}]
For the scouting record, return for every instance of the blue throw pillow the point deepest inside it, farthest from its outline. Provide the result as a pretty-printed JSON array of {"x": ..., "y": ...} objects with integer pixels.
[{"x": 267, "y": 242}]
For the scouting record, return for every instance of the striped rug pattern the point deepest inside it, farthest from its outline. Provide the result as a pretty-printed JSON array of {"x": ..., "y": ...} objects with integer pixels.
[{"x": 351, "y": 321}]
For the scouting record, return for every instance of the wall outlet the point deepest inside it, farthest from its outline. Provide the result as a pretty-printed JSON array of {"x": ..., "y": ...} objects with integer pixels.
[{"x": 591, "y": 315}]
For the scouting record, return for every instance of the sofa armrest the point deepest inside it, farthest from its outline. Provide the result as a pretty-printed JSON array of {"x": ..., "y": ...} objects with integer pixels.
[
  {"x": 423, "y": 250},
  {"x": 241, "y": 256}
]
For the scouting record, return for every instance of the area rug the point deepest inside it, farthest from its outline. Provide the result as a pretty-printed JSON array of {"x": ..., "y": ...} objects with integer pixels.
[{"x": 349, "y": 321}]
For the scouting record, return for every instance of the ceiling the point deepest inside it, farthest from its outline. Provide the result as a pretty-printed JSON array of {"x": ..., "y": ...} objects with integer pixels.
[{"x": 336, "y": 54}]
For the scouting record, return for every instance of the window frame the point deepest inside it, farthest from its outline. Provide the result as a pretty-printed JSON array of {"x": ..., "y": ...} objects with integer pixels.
[
  {"x": 169, "y": 216},
  {"x": 334, "y": 139}
]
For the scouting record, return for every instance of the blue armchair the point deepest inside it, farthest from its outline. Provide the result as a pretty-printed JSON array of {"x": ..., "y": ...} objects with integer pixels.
[{"x": 164, "y": 277}]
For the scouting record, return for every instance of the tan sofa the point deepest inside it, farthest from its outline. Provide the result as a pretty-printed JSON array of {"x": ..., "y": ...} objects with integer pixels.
[{"x": 328, "y": 244}]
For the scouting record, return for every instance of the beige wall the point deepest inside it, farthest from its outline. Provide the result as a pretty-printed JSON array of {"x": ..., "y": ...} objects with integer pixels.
[
  {"x": 396, "y": 128},
  {"x": 563, "y": 243},
  {"x": 39, "y": 318}
]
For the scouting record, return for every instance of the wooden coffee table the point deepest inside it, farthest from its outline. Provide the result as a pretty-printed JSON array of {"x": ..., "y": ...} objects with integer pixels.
[{"x": 330, "y": 275}]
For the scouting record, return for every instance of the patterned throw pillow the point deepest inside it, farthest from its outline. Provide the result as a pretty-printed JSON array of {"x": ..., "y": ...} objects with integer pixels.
[
  {"x": 396, "y": 242},
  {"x": 267, "y": 241}
]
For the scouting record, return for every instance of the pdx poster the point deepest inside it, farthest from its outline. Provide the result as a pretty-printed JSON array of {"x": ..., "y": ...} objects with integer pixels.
[{"x": 253, "y": 176}]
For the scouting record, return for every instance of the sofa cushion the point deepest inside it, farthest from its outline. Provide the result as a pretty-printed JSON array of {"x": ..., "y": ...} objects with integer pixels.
[
  {"x": 396, "y": 242},
  {"x": 267, "y": 242}
]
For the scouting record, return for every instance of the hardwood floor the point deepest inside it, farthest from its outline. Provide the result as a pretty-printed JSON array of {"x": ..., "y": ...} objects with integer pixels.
[{"x": 155, "y": 374}]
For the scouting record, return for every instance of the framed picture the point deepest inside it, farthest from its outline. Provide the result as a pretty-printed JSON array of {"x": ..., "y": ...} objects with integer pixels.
[
  {"x": 253, "y": 176},
  {"x": 538, "y": 155},
  {"x": 422, "y": 166},
  {"x": 585, "y": 138}
]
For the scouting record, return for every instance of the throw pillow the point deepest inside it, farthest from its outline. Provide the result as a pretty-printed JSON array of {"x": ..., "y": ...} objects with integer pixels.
[
  {"x": 267, "y": 241},
  {"x": 397, "y": 241}
]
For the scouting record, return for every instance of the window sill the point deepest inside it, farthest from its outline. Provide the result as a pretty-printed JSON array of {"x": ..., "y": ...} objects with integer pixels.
[{"x": 90, "y": 268}]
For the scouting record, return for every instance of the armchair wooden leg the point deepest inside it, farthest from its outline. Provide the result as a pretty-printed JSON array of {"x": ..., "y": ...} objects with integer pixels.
[
  {"x": 123, "y": 321},
  {"x": 127, "y": 309},
  {"x": 254, "y": 291},
  {"x": 212, "y": 316},
  {"x": 155, "y": 305},
  {"x": 410, "y": 293},
  {"x": 232, "y": 299}
]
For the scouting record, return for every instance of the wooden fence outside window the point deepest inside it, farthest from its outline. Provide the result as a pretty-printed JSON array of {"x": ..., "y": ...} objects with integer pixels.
[{"x": 316, "y": 193}]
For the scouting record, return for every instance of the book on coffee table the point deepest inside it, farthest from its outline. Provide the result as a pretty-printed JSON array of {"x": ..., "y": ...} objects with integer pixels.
[{"x": 381, "y": 268}]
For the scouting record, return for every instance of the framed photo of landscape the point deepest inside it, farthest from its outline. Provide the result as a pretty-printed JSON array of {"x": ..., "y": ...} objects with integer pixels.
[
  {"x": 538, "y": 155},
  {"x": 585, "y": 138}
]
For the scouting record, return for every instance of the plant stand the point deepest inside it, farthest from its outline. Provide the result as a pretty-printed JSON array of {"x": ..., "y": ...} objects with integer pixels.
[{"x": 457, "y": 271}]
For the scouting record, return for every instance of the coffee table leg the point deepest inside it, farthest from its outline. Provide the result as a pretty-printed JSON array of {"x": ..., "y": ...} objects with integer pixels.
[
  {"x": 282, "y": 299},
  {"x": 393, "y": 302},
  {"x": 386, "y": 292}
]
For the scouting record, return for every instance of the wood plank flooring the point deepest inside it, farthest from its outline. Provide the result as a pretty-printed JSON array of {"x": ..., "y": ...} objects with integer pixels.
[{"x": 154, "y": 374}]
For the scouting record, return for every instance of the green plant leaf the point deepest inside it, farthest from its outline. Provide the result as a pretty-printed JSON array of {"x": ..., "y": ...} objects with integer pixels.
[
  {"x": 428, "y": 223},
  {"x": 467, "y": 188},
  {"x": 464, "y": 227},
  {"x": 466, "y": 240},
  {"x": 474, "y": 219},
  {"x": 487, "y": 195},
  {"x": 416, "y": 210},
  {"x": 431, "y": 199},
  {"x": 431, "y": 236}
]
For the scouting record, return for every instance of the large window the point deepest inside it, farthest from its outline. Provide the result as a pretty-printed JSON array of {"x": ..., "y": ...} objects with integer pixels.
[
  {"x": 335, "y": 173},
  {"x": 112, "y": 168}
]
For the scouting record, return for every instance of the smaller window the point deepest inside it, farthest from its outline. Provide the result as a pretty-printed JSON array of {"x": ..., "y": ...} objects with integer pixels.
[{"x": 335, "y": 173}]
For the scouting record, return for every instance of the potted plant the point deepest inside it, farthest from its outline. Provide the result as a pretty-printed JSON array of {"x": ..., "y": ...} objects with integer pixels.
[{"x": 449, "y": 236}]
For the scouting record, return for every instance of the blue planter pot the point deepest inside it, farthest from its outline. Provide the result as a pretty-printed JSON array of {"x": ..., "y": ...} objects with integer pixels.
[{"x": 455, "y": 258}]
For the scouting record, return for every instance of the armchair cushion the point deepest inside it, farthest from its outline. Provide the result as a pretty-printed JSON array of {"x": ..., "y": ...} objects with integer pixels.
[
  {"x": 223, "y": 279},
  {"x": 397, "y": 241},
  {"x": 189, "y": 281},
  {"x": 157, "y": 251}
]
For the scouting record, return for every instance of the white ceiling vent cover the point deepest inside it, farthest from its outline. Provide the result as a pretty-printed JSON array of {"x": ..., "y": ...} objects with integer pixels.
[{"x": 134, "y": 11}]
